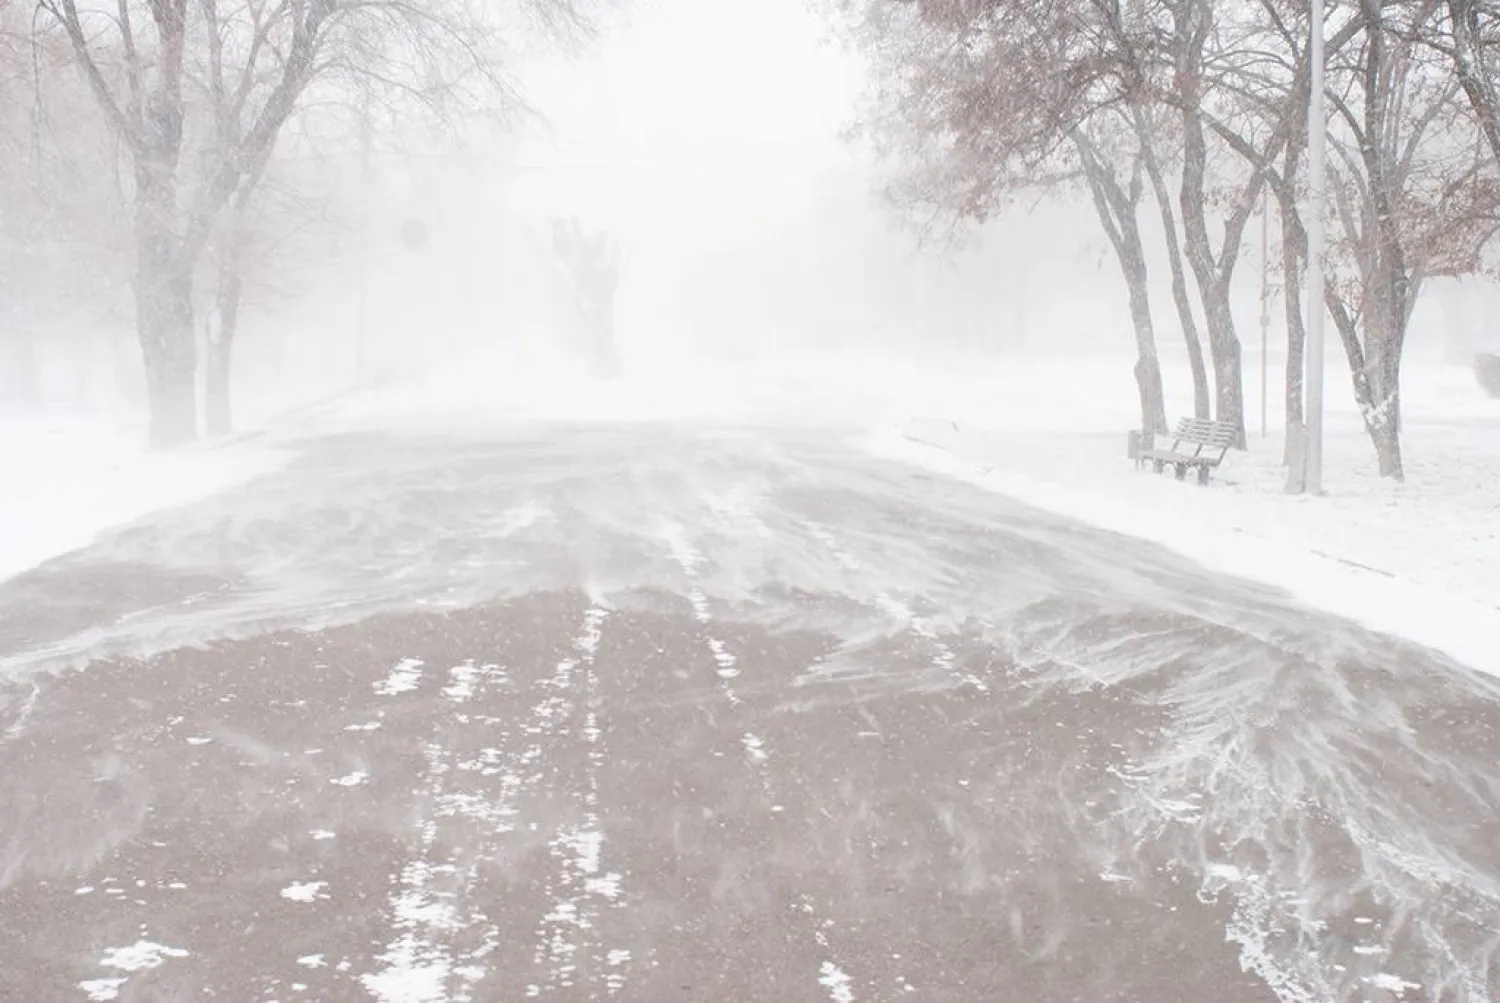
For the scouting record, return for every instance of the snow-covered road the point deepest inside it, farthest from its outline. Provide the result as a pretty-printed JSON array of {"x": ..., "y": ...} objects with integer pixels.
[{"x": 658, "y": 713}]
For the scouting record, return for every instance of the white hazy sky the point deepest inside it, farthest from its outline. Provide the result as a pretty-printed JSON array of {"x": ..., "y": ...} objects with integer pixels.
[{"x": 689, "y": 85}]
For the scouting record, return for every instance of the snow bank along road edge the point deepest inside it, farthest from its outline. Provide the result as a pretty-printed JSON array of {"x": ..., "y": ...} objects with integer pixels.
[{"x": 1461, "y": 628}]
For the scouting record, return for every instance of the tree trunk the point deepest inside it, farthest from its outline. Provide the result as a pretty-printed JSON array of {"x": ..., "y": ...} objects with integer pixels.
[
  {"x": 1469, "y": 67},
  {"x": 606, "y": 351},
  {"x": 164, "y": 324},
  {"x": 1202, "y": 398},
  {"x": 1296, "y": 342},
  {"x": 590, "y": 266},
  {"x": 1293, "y": 255},
  {"x": 1384, "y": 427},
  {"x": 1228, "y": 366},
  {"x": 1117, "y": 213},
  {"x": 1386, "y": 306},
  {"x": 1147, "y": 364},
  {"x": 164, "y": 321},
  {"x": 218, "y": 414},
  {"x": 1202, "y": 402},
  {"x": 1377, "y": 387},
  {"x": 1193, "y": 23},
  {"x": 1382, "y": 407},
  {"x": 1224, "y": 342}
]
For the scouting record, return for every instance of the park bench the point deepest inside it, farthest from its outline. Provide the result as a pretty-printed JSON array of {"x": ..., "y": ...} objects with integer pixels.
[{"x": 1197, "y": 444}]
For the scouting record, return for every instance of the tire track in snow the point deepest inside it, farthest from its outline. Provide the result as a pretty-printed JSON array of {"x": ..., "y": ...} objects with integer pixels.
[
  {"x": 442, "y": 940},
  {"x": 757, "y": 757},
  {"x": 727, "y": 665},
  {"x": 690, "y": 560},
  {"x": 581, "y": 887}
]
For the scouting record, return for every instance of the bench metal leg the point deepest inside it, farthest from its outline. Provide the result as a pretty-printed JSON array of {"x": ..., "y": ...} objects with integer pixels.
[
  {"x": 1182, "y": 471},
  {"x": 1203, "y": 473},
  {"x": 1160, "y": 465}
]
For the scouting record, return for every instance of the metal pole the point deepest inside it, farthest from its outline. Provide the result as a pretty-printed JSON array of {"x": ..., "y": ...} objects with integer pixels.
[
  {"x": 1265, "y": 306},
  {"x": 1316, "y": 182}
]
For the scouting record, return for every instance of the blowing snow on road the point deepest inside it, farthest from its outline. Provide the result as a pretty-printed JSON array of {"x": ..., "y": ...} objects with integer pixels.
[{"x": 657, "y": 713}]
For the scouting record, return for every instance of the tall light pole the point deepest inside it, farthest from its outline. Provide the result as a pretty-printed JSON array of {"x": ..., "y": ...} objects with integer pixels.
[
  {"x": 1317, "y": 129},
  {"x": 1265, "y": 305}
]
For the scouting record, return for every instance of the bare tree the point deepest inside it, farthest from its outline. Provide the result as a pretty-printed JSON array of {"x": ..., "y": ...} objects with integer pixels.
[
  {"x": 1118, "y": 206},
  {"x": 588, "y": 265},
  {"x": 228, "y": 250},
  {"x": 1262, "y": 86},
  {"x": 1472, "y": 41},
  {"x": 199, "y": 91},
  {"x": 981, "y": 99},
  {"x": 976, "y": 103},
  {"x": 1412, "y": 197},
  {"x": 1148, "y": 135},
  {"x": 60, "y": 226}
]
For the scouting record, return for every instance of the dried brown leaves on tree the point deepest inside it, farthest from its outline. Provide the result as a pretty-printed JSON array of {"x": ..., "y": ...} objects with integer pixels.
[{"x": 975, "y": 101}]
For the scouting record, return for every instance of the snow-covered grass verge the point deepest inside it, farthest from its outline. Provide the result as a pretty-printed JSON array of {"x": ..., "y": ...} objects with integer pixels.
[
  {"x": 1419, "y": 560},
  {"x": 63, "y": 482}
]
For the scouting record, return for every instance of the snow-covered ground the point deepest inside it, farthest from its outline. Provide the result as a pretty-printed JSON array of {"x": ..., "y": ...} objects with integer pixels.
[
  {"x": 1420, "y": 559},
  {"x": 66, "y": 478}
]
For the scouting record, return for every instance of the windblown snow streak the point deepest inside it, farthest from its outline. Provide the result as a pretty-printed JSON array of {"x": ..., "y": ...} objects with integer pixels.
[{"x": 1120, "y": 733}]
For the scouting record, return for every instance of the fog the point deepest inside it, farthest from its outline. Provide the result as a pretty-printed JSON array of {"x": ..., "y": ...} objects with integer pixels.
[
  {"x": 752, "y": 229},
  {"x": 644, "y": 564}
]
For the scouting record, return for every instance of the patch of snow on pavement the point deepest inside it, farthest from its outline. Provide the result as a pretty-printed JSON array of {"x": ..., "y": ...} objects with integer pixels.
[
  {"x": 463, "y": 679},
  {"x": 840, "y": 988},
  {"x": 102, "y": 990},
  {"x": 754, "y": 748},
  {"x": 308, "y": 891},
  {"x": 143, "y": 955},
  {"x": 614, "y": 979},
  {"x": 1392, "y": 983},
  {"x": 140, "y": 956},
  {"x": 410, "y": 976},
  {"x": 404, "y": 677}
]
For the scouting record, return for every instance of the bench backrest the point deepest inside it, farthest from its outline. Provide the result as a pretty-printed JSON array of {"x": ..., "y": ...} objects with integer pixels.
[{"x": 1204, "y": 432}]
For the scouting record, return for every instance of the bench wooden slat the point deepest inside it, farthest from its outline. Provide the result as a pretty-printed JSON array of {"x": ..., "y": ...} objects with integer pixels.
[{"x": 1203, "y": 431}]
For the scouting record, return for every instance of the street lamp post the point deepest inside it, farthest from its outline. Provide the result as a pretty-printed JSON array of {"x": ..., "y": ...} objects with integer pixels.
[{"x": 1316, "y": 191}]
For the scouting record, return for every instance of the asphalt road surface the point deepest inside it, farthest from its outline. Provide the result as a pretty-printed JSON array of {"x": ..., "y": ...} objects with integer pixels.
[{"x": 672, "y": 714}]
